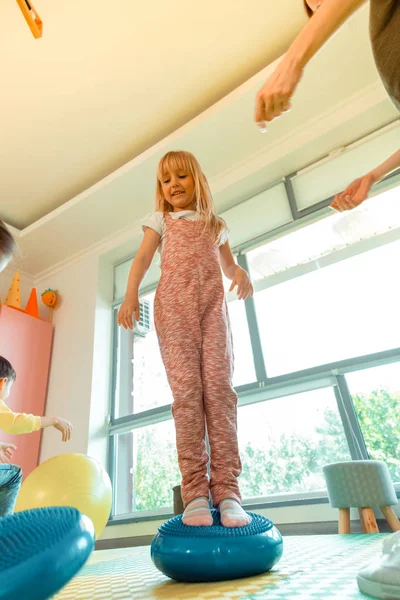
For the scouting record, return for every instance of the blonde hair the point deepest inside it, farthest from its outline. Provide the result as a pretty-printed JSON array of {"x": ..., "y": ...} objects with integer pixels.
[{"x": 203, "y": 200}]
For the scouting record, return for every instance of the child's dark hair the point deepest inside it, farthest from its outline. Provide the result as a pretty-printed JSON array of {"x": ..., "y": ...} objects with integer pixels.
[
  {"x": 6, "y": 369},
  {"x": 8, "y": 245}
]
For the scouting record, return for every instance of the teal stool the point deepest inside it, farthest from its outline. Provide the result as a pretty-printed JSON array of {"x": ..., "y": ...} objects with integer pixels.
[{"x": 361, "y": 484}]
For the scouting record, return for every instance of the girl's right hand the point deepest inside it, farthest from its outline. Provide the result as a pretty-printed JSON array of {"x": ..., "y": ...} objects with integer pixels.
[
  {"x": 127, "y": 310},
  {"x": 6, "y": 451}
]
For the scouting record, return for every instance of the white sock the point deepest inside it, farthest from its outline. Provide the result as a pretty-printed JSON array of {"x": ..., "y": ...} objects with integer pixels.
[
  {"x": 232, "y": 514},
  {"x": 197, "y": 513}
]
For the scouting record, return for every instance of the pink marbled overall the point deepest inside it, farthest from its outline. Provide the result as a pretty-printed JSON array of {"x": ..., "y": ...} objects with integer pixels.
[{"x": 192, "y": 323}]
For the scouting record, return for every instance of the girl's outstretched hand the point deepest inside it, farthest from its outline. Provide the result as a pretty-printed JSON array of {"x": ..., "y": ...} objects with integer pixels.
[
  {"x": 243, "y": 283},
  {"x": 127, "y": 310},
  {"x": 354, "y": 194},
  {"x": 6, "y": 451}
]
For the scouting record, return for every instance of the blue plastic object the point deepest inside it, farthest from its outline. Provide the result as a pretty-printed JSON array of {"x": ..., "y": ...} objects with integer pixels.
[
  {"x": 216, "y": 553},
  {"x": 41, "y": 550}
]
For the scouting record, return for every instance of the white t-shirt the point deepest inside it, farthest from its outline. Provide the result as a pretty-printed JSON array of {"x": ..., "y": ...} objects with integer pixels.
[{"x": 156, "y": 222}]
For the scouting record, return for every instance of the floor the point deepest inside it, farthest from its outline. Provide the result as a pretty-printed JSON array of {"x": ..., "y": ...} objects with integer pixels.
[{"x": 323, "y": 566}]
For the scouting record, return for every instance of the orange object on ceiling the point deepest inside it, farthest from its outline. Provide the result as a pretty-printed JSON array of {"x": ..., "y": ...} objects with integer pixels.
[{"x": 31, "y": 17}]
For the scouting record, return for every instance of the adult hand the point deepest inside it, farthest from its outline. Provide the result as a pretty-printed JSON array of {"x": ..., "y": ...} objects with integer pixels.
[
  {"x": 354, "y": 194},
  {"x": 273, "y": 98}
]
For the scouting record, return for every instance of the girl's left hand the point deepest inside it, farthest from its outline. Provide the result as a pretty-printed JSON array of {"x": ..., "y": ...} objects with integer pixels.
[{"x": 243, "y": 283}]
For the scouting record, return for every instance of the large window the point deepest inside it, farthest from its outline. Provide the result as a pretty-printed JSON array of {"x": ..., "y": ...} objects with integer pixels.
[
  {"x": 317, "y": 365},
  {"x": 244, "y": 365},
  {"x": 141, "y": 380},
  {"x": 147, "y": 468},
  {"x": 284, "y": 443},
  {"x": 376, "y": 396},
  {"x": 346, "y": 309}
]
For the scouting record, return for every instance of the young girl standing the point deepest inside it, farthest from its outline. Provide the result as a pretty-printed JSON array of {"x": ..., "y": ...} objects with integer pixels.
[{"x": 192, "y": 324}]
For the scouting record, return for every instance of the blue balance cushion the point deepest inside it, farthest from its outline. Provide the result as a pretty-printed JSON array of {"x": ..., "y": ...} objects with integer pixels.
[
  {"x": 41, "y": 550},
  {"x": 216, "y": 553}
]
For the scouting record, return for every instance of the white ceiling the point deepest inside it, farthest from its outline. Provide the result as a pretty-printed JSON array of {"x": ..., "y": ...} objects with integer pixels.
[
  {"x": 340, "y": 100},
  {"x": 110, "y": 79}
]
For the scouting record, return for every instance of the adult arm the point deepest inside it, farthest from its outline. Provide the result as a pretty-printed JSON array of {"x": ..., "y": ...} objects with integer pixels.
[{"x": 274, "y": 97}]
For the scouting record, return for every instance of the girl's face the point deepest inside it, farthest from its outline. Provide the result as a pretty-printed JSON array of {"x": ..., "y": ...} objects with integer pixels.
[{"x": 178, "y": 189}]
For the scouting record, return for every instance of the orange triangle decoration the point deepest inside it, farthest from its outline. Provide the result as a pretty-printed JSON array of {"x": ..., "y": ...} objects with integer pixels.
[
  {"x": 14, "y": 297},
  {"x": 32, "y": 308}
]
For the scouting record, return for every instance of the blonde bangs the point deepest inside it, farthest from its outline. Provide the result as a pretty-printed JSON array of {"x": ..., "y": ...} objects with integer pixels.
[
  {"x": 173, "y": 161},
  {"x": 181, "y": 160}
]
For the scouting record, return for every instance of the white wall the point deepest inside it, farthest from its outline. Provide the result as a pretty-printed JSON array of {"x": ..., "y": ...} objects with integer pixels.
[
  {"x": 69, "y": 391},
  {"x": 102, "y": 362},
  {"x": 79, "y": 383}
]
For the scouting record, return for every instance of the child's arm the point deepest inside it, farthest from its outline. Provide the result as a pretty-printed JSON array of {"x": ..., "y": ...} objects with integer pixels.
[
  {"x": 17, "y": 423},
  {"x": 232, "y": 271},
  {"x": 357, "y": 191},
  {"x": 274, "y": 97},
  {"x": 139, "y": 267}
]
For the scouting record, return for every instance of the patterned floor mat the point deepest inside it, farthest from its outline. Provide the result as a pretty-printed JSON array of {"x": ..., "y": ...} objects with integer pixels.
[{"x": 311, "y": 567}]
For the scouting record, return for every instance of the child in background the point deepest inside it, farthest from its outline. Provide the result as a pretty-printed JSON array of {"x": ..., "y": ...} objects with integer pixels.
[
  {"x": 192, "y": 324},
  {"x": 8, "y": 247},
  {"x": 10, "y": 475},
  {"x": 14, "y": 423}
]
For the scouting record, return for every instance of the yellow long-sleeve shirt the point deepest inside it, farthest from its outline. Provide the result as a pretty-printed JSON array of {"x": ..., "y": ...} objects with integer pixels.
[{"x": 12, "y": 422}]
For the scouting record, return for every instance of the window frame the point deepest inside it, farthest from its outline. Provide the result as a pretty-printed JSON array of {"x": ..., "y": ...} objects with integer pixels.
[{"x": 267, "y": 388}]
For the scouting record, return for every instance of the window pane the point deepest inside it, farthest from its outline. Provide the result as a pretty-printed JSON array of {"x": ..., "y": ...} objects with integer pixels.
[
  {"x": 146, "y": 469},
  {"x": 376, "y": 396},
  {"x": 343, "y": 310},
  {"x": 150, "y": 384},
  {"x": 284, "y": 443},
  {"x": 142, "y": 379},
  {"x": 244, "y": 365},
  {"x": 326, "y": 236}
]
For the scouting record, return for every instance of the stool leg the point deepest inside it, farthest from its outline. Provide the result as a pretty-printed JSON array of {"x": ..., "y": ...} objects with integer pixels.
[
  {"x": 344, "y": 520},
  {"x": 362, "y": 521},
  {"x": 391, "y": 518},
  {"x": 368, "y": 520}
]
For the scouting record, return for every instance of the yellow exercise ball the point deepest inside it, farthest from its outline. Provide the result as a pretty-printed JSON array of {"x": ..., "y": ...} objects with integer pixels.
[{"x": 74, "y": 480}]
